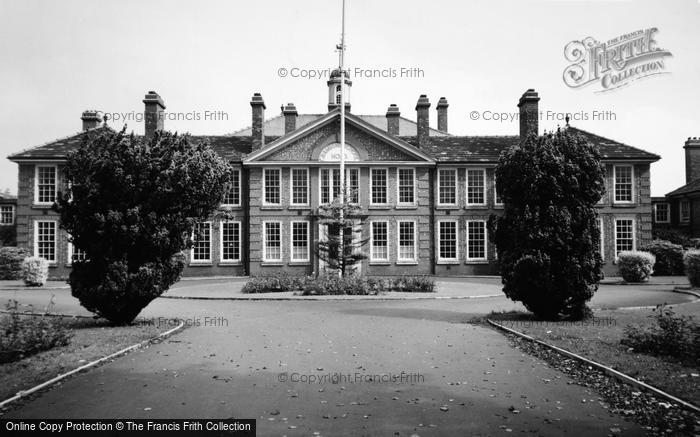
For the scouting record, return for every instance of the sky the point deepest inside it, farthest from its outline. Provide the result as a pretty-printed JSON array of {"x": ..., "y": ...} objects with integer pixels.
[{"x": 206, "y": 59}]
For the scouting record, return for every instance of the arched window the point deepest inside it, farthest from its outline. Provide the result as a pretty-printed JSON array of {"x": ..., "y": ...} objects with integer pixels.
[{"x": 332, "y": 153}]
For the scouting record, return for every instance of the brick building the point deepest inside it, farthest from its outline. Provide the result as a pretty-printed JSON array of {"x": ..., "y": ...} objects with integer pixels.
[
  {"x": 679, "y": 210},
  {"x": 427, "y": 194}
]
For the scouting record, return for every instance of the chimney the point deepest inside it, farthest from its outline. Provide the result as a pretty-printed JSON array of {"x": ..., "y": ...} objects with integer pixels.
[
  {"x": 258, "y": 106},
  {"x": 442, "y": 114},
  {"x": 290, "y": 117},
  {"x": 423, "y": 120},
  {"x": 692, "y": 159},
  {"x": 529, "y": 114},
  {"x": 392, "y": 119},
  {"x": 91, "y": 119},
  {"x": 153, "y": 113}
]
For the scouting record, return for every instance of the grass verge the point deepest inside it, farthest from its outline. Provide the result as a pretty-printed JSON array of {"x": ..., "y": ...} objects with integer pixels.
[{"x": 90, "y": 340}]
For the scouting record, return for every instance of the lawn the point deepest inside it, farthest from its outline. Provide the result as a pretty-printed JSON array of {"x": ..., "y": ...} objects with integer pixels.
[
  {"x": 599, "y": 339},
  {"x": 91, "y": 339}
]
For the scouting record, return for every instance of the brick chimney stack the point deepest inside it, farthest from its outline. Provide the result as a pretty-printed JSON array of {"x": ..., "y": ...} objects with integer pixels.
[
  {"x": 692, "y": 159},
  {"x": 392, "y": 119},
  {"x": 153, "y": 113},
  {"x": 529, "y": 113},
  {"x": 442, "y": 114},
  {"x": 423, "y": 120},
  {"x": 290, "y": 117},
  {"x": 258, "y": 106},
  {"x": 91, "y": 119}
]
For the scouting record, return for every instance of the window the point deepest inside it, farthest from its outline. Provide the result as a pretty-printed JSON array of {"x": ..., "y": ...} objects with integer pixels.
[
  {"x": 380, "y": 241},
  {"x": 271, "y": 186},
  {"x": 476, "y": 187},
  {"x": 624, "y": 235},
  {"x": 331, "y": 178},
  {"x": 45, "y": 240},
  {"x": 661, "y": 213},
  {"x": 407, "y": 241},
  {"x": 230, "y": 241},
  {"x": 498, "y": 200},
  {"x": 300, "y": 186},
  {"x": 623, "y": 183},
  {"x": 7, "y": 215},
  {"x": 378, "y": 186},
  {"x": 300, "y": 241},
  {"x": 476, "y": 240},
  {"x": 75, "y": 254},
  {"x": 272, "y": 236},
  {"x": 406, "y": 186},
  {"x": 201, "y": 248},
  {"x": 232, "y": 196},
  {"x": 602, "y": 239},
  {"x": 45, "y": 184},
  {"x": 447, "y": 240},
  {"x": 447, "y": 186},
  {"x": 685, "y": 211}
]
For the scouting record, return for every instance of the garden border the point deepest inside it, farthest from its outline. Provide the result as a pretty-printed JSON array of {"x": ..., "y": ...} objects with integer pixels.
[
  {"x": 94, "y": 363},
  {"x": 329, "y": 297},
  {"x": 608, "y": 370}
]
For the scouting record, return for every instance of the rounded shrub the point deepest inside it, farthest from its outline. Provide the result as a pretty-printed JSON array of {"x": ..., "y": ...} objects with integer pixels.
[
  {"x": 11, "y": 259},
  {"x": 669, "y": 257},
  {"x": 635, "y": 266},
  {"x": 691, "y": 259},
  {"x": 35, "y": 271}
]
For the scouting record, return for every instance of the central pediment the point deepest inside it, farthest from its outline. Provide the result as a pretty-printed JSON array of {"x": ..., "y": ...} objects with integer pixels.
[{"x": 319, "y": 141}]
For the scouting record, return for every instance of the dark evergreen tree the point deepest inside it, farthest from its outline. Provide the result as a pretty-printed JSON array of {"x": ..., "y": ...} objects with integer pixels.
[
  {"x": 130, "y": 206},
  {"x": 548, "y": 237}
]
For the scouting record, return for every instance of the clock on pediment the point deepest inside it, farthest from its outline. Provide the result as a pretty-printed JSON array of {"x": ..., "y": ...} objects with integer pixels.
[{"x": 332, "y": 153}]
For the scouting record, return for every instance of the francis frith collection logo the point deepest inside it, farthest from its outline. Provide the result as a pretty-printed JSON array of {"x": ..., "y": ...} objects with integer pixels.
[{"x": 615, "y": 63}]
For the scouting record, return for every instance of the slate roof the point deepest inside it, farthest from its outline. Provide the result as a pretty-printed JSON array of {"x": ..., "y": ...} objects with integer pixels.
[
  {"x": 275, "y": 126},
  {"x": 443, "y": 148},
  {"x": 691, "y": 187}
]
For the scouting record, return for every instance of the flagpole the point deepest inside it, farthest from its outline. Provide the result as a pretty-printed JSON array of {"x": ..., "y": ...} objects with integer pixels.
[{"x": 342, "y": 133}]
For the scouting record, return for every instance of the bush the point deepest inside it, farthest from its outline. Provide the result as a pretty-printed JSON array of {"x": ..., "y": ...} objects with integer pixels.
[
  {"x": 412, "y": 284},
  {"x": 275, "y": 283},
  {"x": 669, "y": 257},
  {"x": 691, "y": 259},
  {"x": 11, "y": 262},
  {"x": 334, "y": 285},
  {"x": 635, "y": 266},
  {"x": 26, "y": 335},
  {"x": 35, "y": 271},
  {"x": 676, "y": 336},
  {"x": 675, "y": 237}
]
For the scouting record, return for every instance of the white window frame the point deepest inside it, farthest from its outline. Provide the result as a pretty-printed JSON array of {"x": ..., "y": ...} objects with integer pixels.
[
  {"x": 372, "y": 258},
  {"x": 307, "y": 258},
  {"x": 485, "y": 258},
  {"x": 634, "y": 233},
  {"x": 291, "y": 186},
  {"x": 601, "y": 226},
  {"x": 12, "y": 215},
  {"x": 36, "y": 184},
  {"x": 264, "y": 187},
  {"x": 202, "y": 261},
  {"x": 632, "y": 191},
  {"x": 71, "y": 251},
  {"x": 682, "y": 219},
  {"x": 221, "y": 242},
  {"x": 371, "y": 185},
  {"x": 414, "y": 258},
  {"x": 331, "y": 182},
  {"x": 442, "y": 260},
  {"x": 264, "y": 241},
  {"x": 668, "y": 212},
  {"x": 456, "y": 174},
  {"x": 466, "y": 184},
  {"x": 240, "y": 191},
  {"x": 496, "y": 203},
  {"x": 398, "y": 187},
  {"x": 55, "y": 240}
]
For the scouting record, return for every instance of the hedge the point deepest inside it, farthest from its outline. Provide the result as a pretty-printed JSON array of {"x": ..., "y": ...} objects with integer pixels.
[{"x": 635, "y": 266}]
